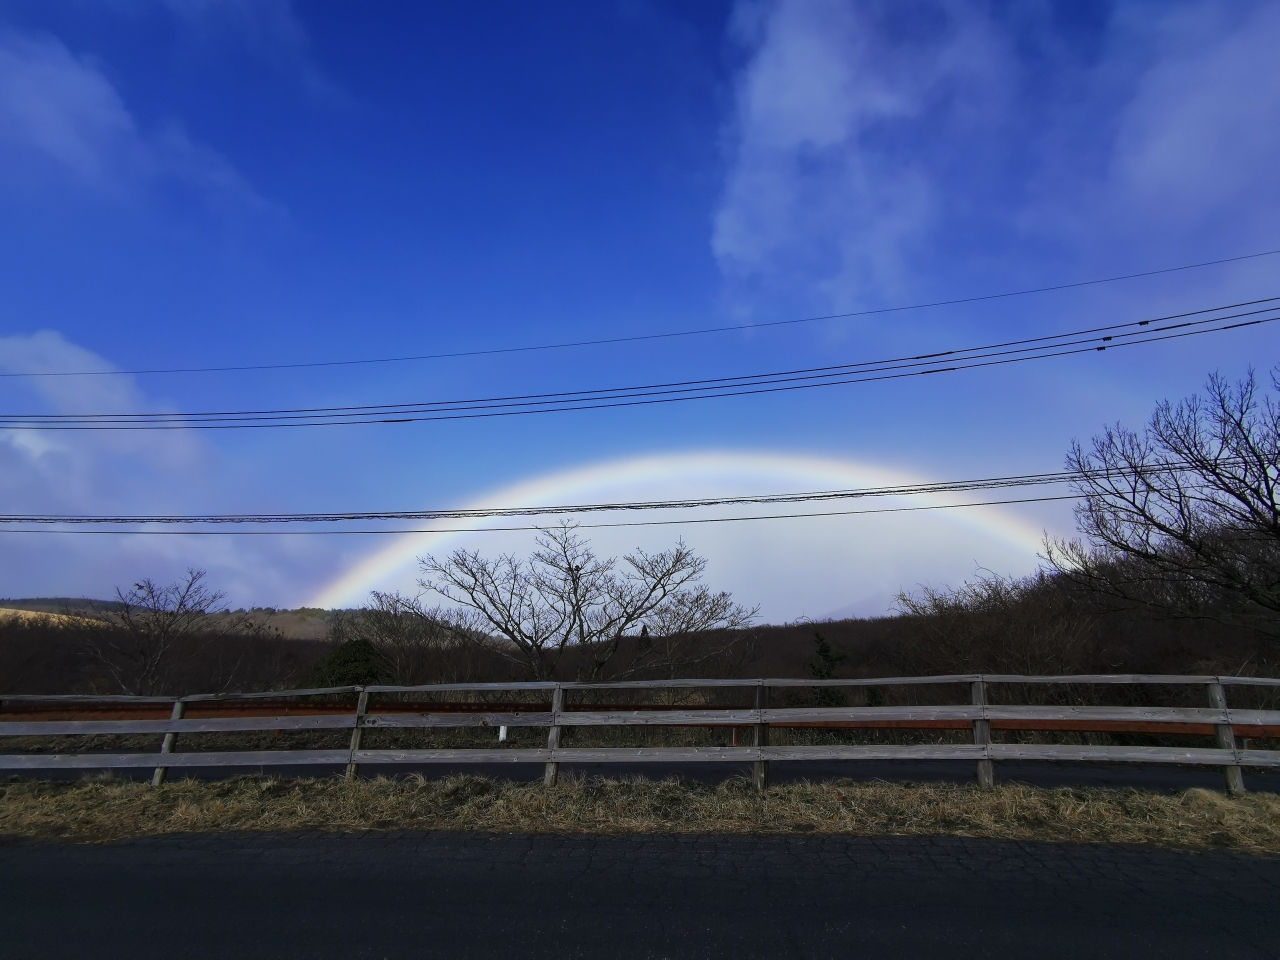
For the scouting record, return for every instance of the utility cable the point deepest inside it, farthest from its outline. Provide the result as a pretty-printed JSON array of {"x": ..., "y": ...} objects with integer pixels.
[
  {"x": 867, "y": 371},
  {"x": 702, "y": 331},
  {"x": 829, "y": 370},
  {"x": 901, "y": 490},
  {"x": 584, "y": 526}
]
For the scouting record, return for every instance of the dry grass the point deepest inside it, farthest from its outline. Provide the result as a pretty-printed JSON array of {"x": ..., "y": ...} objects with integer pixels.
[
  {"x": 40, "y": 617},
  {"x": 103, "y": 809}
]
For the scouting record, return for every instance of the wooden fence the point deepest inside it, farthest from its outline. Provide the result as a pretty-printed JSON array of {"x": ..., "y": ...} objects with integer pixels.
[{"x": 390, "y": 708}]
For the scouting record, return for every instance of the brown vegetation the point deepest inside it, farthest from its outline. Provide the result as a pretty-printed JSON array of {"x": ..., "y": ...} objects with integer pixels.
[
  {"x": 100, "y": 810},
  {"x": 1043, "y": 624},
  {"x": 1183, "y": 519},
  {"x": 605, "y": 616}
]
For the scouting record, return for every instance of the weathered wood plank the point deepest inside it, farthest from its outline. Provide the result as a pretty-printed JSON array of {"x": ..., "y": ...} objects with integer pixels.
[
  {"x": 1258, "y": 758},
  {"x": 1135, "y": 679},
  {"x": 814, "y": 714},
  {"x": 760, "y": 740},
  {"x": 609, "y": 718},
  {"x": 57, "y": 728},
  {"x": 464, "y": 687},
  {"x": 1199, "y": 756},
  {"x": 982, "y": 734},
  {"x": 747, "y": 717},
  {"x": 661, "y": 684},
  {"x": 1254, "y": 718},
  {"x": 170, "y": 739},
  {"x": 766, "y": 753},
  {"x": 272, "y": 694},
  {"x": 959, "y": 678},
  {"x": 888, "y": 751},
  {"x": 255, "y": 758},
  {"x": 657, "y": 754},
  {"x": 233, "y": 724},
  {"x": 362, "y": 707},
  {"x": 1136, "y": 714},
  {"x": 552, "y": 772},
  {"x": 102, "y": 761},
  {"x": 82, "y": 698},
  {"x": 126, "y": 727},
  {"x": 398, "y": 720},
  {"x": 1008, "y": 716},
  {"x": 494, "y": 755},
  {"x": 1226, "y": 739},
  {"x": 277, "y": 758}
]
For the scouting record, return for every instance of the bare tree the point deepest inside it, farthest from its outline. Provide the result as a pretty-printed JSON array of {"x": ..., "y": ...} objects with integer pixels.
[
  {"x": 566, "y": 599},
  {"x": 407, "y": 639},
  {"x": 151, "y": 629},
  {"x": 695, "y": 631},
  {"x": 1184, "y": 517},
  {"x": 997, "y": 624}
]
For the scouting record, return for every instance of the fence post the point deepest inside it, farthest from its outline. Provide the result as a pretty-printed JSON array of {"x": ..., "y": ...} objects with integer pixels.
[
  {"x": 982, "y": 737},
  {"x": 179, "y": 711},
  {"x": 362, "y": 708},
  {"x": 1226, "y": 738},
  {"x": 553, "y": 737},
  {"x": 761, "y": 739}
]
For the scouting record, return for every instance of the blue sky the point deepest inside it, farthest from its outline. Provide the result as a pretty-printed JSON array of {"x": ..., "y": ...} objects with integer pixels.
[{"x": 228, "y": 182}]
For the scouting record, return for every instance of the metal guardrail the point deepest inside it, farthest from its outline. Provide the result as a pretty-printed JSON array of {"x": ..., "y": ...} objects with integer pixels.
[{"x": 287, "y": 710}]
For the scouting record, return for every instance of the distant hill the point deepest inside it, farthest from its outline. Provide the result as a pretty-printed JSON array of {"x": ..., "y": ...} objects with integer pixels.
[
  {"x": 304, "y": 623},
  {"x": 58, "y": 604},
  {"x": 61, "y": 619}
]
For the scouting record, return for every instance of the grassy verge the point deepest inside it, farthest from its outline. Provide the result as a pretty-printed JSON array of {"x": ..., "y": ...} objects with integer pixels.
[{"x": 100, "y": 810}]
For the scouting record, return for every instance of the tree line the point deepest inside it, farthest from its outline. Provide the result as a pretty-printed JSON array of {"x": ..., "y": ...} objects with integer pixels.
[{"x": 1179, "y": 538}]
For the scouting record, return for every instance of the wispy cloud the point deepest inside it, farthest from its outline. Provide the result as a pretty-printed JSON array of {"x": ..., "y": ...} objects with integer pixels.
[
  {"x": 269, "y": 29},
  {"x": 60, "y": 115},
  {"x": 871, "y": 141},
  {"x": 67, "y": 467},
  {"x": 124, "y": 473},
  {"x": 1198, "y": 144},
  {"x": 827, "y": 179}
]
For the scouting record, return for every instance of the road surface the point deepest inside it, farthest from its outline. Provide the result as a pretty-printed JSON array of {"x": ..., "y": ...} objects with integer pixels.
[{"x": 517, "y": 896}]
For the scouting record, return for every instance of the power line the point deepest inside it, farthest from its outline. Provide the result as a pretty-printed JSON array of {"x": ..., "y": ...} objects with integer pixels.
[
  {"x": 605, "y": 398},
  {"x": 585, "y": 526},
  {"x": 702, "y": 331},
  {"x": 834, "y": 369},
  {"x": 900, "y": 490},
  {"x": 1132, "y": 333}
]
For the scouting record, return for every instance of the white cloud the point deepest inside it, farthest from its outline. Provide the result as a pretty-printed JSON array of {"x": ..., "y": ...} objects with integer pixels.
[
  {"x": 875, "y": 144},
  {"x": 59, "y": 112},
  {"x": 1199, "y": 143},
  {"x": 122, "y": 473},
  {"x": 269, "y": 29},
  {"x": 63, "y": 109},
  {"x": 46, "y": 352},
  {"x": 70, "y": 467},
  {"x": 829, "y": 180}
]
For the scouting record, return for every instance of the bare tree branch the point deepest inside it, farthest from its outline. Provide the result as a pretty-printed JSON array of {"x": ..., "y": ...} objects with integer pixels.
[
  {"x": 150, "y": 629},
  {"x": 566, "y": 599},
  {"x": 408, "y": 639},
  {"x": 1184, "y": 517}
]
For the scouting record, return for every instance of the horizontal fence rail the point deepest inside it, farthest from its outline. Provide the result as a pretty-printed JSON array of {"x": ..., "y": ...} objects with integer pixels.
[{"x": 384, "y": 708}]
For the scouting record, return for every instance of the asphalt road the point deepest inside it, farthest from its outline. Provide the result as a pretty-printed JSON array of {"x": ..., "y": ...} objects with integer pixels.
[{"x": 449, "y": 895}]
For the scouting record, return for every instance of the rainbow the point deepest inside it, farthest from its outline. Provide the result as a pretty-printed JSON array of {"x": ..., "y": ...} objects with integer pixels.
[{"x": 664, "y": 475}]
